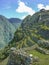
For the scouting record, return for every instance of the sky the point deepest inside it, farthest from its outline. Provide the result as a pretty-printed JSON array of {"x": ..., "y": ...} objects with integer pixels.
[{"x": 21, "y": 8}]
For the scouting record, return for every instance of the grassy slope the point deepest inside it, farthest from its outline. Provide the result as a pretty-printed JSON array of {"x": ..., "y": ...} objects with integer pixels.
[
  {"x": 4, "y": 62},
  {"x": 44, "y": 59}
]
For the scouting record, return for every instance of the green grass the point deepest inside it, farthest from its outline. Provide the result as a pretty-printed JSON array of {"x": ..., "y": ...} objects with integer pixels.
[
  {"x": 44, "y": 59},
  {"x": 4, "y": 62}
]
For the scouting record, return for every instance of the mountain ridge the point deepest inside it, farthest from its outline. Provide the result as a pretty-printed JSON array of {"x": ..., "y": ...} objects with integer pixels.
[
  {"x": 7, "y": 30},
  {"x": 32, "y": 29}
]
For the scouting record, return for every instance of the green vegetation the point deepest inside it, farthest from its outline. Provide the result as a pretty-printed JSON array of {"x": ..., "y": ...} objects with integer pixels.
[
  {"x": 7, "y": 30},
  {"x": 44, "y": 27},
  {"x": 4, "y": 62},
  {"x": 43, "y": 59},
  {"x": 32, "y": 29}
]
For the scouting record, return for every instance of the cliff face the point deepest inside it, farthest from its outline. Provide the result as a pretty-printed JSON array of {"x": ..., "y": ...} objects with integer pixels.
[{"x": 19, "y": 57}]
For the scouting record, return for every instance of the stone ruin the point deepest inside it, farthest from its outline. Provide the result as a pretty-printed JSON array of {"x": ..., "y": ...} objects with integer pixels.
[{"x": 19, "y": 57}]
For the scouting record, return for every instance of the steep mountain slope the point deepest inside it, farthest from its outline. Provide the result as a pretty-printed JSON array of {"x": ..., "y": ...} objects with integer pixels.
[
  {"x": 15, "y": 21},
  {"x": 7, "y": 30},
  {"x": 32, "y": 29}
]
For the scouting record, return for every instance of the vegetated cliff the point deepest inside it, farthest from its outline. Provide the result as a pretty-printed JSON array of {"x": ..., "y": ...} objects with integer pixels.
[{"x": 32, "y": 29}]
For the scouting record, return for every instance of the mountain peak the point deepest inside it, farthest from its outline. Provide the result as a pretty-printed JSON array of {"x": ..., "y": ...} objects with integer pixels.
[
  {"x": 42, "y": 10},
  {"x": 33, "y": 28}
]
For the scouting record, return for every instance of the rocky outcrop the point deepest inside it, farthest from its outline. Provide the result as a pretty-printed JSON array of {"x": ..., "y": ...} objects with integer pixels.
[
  {"x": 42, "y": 50},
  {"x": 19, "y": 57}
]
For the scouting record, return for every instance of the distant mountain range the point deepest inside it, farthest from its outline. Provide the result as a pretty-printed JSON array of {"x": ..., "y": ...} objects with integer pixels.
[
  {"x": 15, "y": 21},
  {"x": 7, "y": 29}
]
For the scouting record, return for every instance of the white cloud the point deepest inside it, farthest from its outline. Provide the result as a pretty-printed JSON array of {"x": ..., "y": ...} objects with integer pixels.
[
  {"x": 22, "y": 8},
  {"x": 41, "y": 6},
  {"x": 47, "y": 7}
]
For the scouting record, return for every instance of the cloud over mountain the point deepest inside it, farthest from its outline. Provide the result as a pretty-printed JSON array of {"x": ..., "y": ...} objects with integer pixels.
[
  {"x": 23, "y": 8},
  {"x": 41, "y": 6}
]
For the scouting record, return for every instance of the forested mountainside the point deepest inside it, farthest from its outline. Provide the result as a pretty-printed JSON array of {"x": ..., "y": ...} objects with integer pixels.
[
  {"x": 7, "y": 30},
  {"x": 33, "y": 30}
]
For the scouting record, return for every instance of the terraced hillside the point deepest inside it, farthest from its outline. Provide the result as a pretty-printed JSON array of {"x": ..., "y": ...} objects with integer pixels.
[{"x": 32, "y": 29}]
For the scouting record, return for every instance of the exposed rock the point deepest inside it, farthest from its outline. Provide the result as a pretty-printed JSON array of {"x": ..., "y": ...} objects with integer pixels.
[
  {"x": 20, "y": 57},
  {"x": 42, "y": 50},
  {"x": 43, "y": 43}
]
